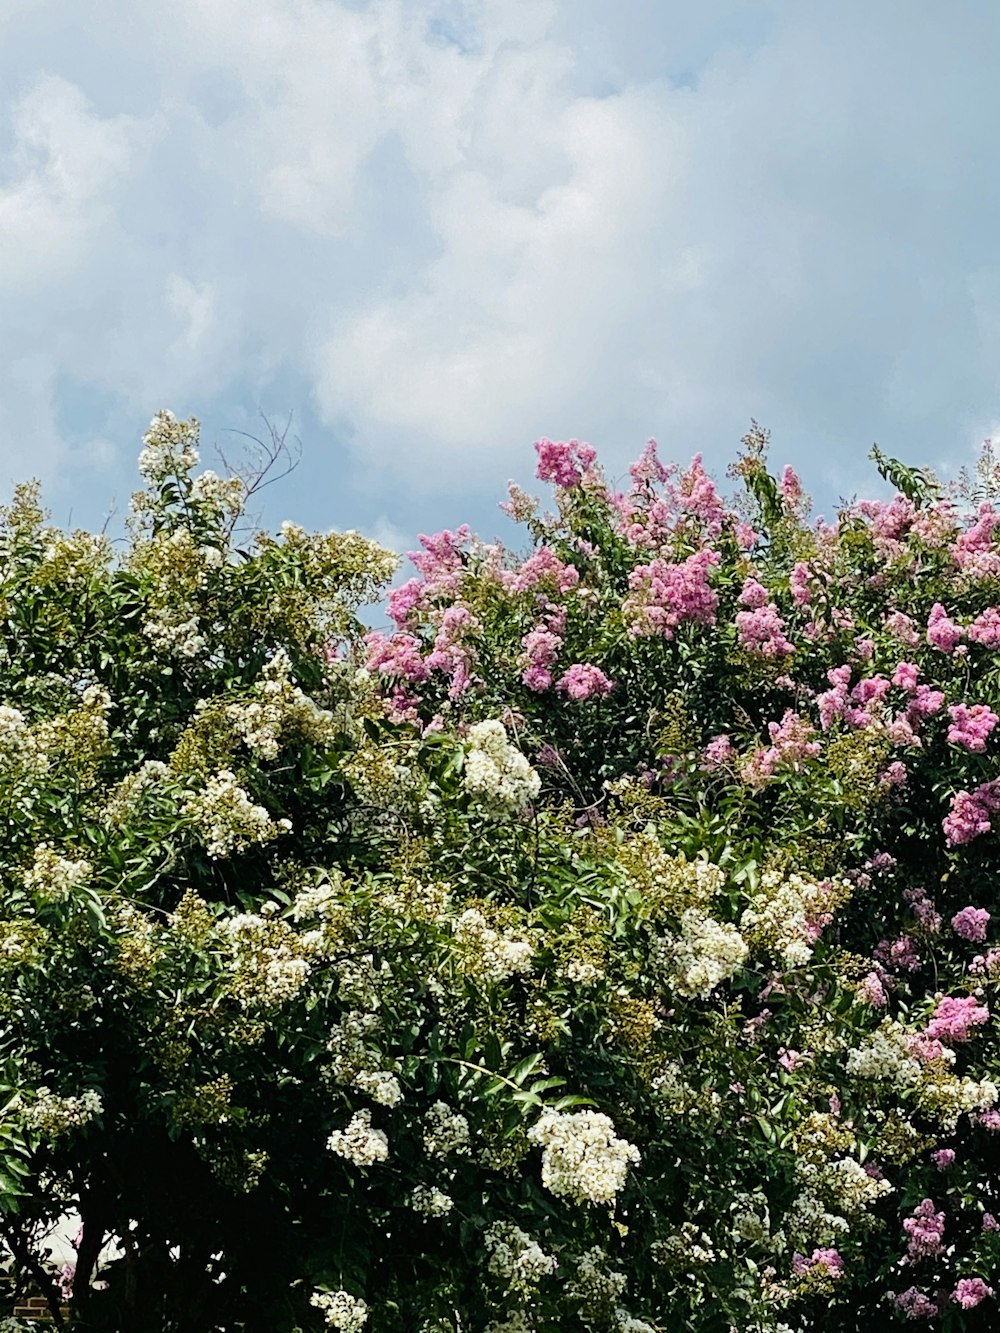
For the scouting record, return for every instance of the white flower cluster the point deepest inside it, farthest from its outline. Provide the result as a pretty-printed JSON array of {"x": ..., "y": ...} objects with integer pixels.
[
  {"x": 844, "y": 1183},
  {"x": 430, "y": 1201},
  {"x": 275, "y": 708},
  {"x": 126, "y": 797},
  {"x": 341, "y": 1310},
  {"x": 53, "y": 877},
  {"x": 516, "y": 1258},
  {"x": 446, "y": 1132},
  {"x": 227, "y": 819},
  {"x": 778, "y": 918},
  {"x": 349, "y": 1046},
  {"x": 687, "y": 1248},
  {"x": 517, "y": 1322},
  {"x": 707, "y": 953},
  {"x": 172, "y": 634},
  {"x": 487, "y": 953},
  {"x": 19, "y": 746},
  {"x": 595, "y": 1283},
  {"x": 360, "y": 1142},
  {"x": 222, "y": 496},
  {"x": 582, "y": 1158},
  {"x": 627, "y": 1323},
  {"x": 55, "y": 1116},
  {"x": 946, "y": 1097},
  {"x": 496, "y": 772},
  {"x": 885, "y": 1055},
  {"x": 266, "y": 966},
  {"x": 170, "y": 448},
  {"x": 380, "y": 1086}
]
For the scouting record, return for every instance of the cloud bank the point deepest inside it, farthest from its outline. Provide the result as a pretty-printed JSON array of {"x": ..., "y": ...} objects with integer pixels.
[{"x": 437, "y": 230}]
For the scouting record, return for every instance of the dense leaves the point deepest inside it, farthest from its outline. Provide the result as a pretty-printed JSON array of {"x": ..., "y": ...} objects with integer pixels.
[{"x": 607, "y": 946}]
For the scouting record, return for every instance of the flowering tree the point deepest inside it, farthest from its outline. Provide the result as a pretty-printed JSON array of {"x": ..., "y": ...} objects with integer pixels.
[{"x": 608, "y": 946}]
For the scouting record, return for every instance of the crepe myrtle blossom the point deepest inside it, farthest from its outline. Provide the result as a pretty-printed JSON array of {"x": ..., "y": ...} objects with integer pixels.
[
  {"x": 971, "y": 813},
  {"x": 971, "y": 923},
  {"x": 970, "y": 1292},
  {"x": 584, "y": 681},
  {"x": 925, "y": 1230},
  {"x": 582, "y": 1158},
  {"x": 971, "y": 726},
  {"x": 943, "y": 632},
  {"x": 954, "y": 1018},
  {"x": 914, "y": 1303},
  {"x": 564, "y": 463}
]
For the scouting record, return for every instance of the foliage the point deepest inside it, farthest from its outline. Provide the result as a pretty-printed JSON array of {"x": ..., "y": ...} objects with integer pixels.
[{"x": 610, "y": 951}]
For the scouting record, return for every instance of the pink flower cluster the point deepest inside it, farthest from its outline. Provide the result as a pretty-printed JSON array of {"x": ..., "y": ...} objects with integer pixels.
[
  {"x": 761, "y": 628},
  {"x": 971, "y": 813},
  {"x": 792, "y": 745},
  {"x": 974, "y": 552},
  {"x": 955, "y": 1016},
  {"x": 541, "y": 647},
  {"x": 925, "y": 1230},
  {"x": 971, "y": 923},
  {"x": 663, "y": 595},
  {"x": 915, "y": 1304},
  {"x": 584, "y": 681},
  {"x": 564, "y": 464},
  {"x": 971, "y": 726},
  {"x": 970, "y": 1292},
  {"x": 985, "y": 629},
  {"x": 942, "y": 631},
  {"x": 826, "y": 1261}
]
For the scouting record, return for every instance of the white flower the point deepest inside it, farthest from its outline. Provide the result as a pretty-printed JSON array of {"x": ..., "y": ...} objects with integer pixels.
[
  {"x": 380, "y": 1086},
  {"x": 496, "y": 772},
  {"x": 430, "y": 1201},
  {"x": 341, "y": 1310},
  {"x": 360, "y": 1143},
  {"x": 582, "y": 1159},
  {"x": 516, "y": 1258},
  {"x": 446, "y": 1131},
  {"x": 707, "y": 953}
]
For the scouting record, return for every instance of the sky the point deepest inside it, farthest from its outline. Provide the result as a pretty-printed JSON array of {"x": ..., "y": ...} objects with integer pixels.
[{"x": 429, "y": 232}]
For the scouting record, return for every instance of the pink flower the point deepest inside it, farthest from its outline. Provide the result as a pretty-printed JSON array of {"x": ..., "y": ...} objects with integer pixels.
[
  {"x": 762, "y": 630},
  {"x": 900, "y": 954},
  {"x": 925, "y": 703},
  {"x": 970, "y": 1292},
  {"x": 718, "y": 752},
  {"x": 990, "y": 1120},
  {"x": 970, "y": 727},
  {"x": 943, "y": 1158},
  {"x": 663, "y": 595},
  {"x": 915, "y": 1304},
  {"x": 971, "y": 923},
  {"x": 826, "y": 1260},
  {"x": 901, "y": 627},
  {"x": 971, "y": 813},
  {"x": 584, "y": 681},
  {"x": 396, "y": 656},
  {"x": 544, "y": 566},
  {"x": 799, "y": 584},
  {"x": 925, "y": 1230},
  {"x": 905, "y": 676},
  {"x": 990, "y": 1223},
  {"x": 985, "y": 629},
  {"x": 871, "y": 991},
  {"x": 954, "y": 1016},
  {"x": 942, "y": 631},
  {"x": 564, "y": 463}
]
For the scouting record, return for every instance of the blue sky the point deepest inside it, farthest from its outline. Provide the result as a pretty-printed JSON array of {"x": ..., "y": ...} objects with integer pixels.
[{"x": 433, "y": 232}]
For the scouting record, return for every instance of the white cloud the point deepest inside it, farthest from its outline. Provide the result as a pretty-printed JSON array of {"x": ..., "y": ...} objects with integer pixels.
[{"x": 457, "y": 226}]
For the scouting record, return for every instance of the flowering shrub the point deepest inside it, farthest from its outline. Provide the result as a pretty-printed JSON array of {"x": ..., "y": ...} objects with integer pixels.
[{"x": 609, "y": 945}]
